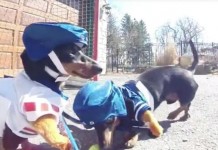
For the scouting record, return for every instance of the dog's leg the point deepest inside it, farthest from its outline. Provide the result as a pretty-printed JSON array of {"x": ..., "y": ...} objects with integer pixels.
[
  {"x": 47, "y": 127},
  {"x": 130, "y": 137},
  {"x": 1, "y": 144},
  {"x": 10, "y": 140},
  {"x": 186, "y": 114},
  {"x": 176, "y": 112},
  {"x": 26, "y": 145},
  {"x": 155, "y": 127},
  {"x": 105, "y": 132},
  {"x": 105, "y": 136}
]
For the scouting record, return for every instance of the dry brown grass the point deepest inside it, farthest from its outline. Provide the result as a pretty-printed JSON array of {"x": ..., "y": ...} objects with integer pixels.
[{"x": 168, "y": 57}]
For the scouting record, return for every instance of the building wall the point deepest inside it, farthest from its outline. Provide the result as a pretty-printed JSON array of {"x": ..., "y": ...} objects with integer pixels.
[
  {"x": 102, "y": 35},
  {"x": 15, "y": 15}
]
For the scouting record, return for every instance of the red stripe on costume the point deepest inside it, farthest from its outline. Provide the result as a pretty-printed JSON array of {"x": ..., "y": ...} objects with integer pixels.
[
  {"x": 55, "y": 108},
  {"x": 44, "y": 107},
  {"x": 30, "y": 130},
  {"x": 26, "y": 133},
  {"x": 29, "y": 106}
]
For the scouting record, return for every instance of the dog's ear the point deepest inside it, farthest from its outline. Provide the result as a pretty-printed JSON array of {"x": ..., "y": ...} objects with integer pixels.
[
  {"x": 36, "y": 69},
  {"x": 32, "y": 68}
]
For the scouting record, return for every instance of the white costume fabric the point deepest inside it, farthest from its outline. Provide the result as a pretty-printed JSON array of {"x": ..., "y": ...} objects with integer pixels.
[{"x": 23, "y": 100}]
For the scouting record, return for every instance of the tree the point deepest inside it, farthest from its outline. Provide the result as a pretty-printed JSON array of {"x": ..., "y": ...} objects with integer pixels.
[
  {"x": 113, "y": 35},
  {"x": 188, "y": 30},
  {"x": 127, "y": 38},
  {"x": 165, "y": 33},
  {"x": 127, "y": 31},
  {"x": 135, "y": 40},
  {"x": 141, "y": 43},
  {"x": 184, "y": 30},
  {"x": 113, "y": 40}
]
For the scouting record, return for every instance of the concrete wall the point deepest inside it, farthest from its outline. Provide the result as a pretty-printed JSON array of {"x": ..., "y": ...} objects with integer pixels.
[{"x": 102, "y": 35}]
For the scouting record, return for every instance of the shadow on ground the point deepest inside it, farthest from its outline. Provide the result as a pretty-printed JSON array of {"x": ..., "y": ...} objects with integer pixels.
[
  {"x": 85, "y": 138},
  {"x": 88, "y": 137}
]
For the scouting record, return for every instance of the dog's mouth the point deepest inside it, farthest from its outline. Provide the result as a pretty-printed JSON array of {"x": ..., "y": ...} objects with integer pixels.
[
  {"x": 83, "y": 70},
  {"x": 85, "y": 76}
]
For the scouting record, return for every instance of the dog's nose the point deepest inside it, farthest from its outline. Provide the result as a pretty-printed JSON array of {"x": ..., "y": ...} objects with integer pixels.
[{"x": 97, "y": 68}]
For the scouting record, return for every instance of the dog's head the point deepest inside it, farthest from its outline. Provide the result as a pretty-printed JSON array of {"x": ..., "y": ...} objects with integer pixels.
[
  {"x": 58, "y": 49},
  {"x": 75, "y": 62},
  {"x": 100, "y": 105}
]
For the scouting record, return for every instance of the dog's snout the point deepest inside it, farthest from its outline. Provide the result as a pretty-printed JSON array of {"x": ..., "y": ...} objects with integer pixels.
[
  {"x": 83, "y": 59},
  {"x": 97, "y": 68}
]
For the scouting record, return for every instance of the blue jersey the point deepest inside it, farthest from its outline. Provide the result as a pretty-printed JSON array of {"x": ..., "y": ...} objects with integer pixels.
[{"x": 136, "y": 103}]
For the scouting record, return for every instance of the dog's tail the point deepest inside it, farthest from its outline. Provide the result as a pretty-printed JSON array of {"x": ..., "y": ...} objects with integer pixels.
[{"x": 193, "y": 67}]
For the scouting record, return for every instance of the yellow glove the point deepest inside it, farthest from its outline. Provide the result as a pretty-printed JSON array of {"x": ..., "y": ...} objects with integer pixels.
[
  {"x": 46, "y": 126},
  {"x": 155, "y": 127}
]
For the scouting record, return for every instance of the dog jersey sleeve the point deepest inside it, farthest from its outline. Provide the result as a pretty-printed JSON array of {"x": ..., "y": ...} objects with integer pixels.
[
  {"x": 139, "y": 108},
  {"x": 37, "y": 104},
  {"x": 139, "y": 104}
]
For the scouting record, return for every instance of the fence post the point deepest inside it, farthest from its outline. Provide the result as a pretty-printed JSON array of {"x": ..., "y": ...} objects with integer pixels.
[
  {"x": 117, "y": 61},
  {"x": 96, "y": 26},
  {"x": 213, "y": 49},
  {"x": 181, "y": 48},
  {"x": 112, "y": 62},
  {"x": 149, "y": 56}
]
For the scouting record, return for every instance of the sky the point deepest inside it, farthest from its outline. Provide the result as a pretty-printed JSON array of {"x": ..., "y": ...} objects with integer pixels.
[{"x": 156, "y": 13}]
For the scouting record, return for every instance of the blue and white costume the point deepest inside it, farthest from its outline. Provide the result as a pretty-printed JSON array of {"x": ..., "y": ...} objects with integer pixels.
[
  {"x": 23, "y": 101},
  {"x": 97, "y": 102},
  {"x": 138, "y": 100}
]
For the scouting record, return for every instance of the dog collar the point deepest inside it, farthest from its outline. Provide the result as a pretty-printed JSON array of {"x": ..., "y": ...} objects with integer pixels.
[{"x": 146, "y": 94}]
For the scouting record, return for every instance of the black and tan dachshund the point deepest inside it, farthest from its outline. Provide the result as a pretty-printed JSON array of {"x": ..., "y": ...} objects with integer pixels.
[
  {"x": 168, "y": 83},
  {"x": 48, "y": 73},
  {"x": 172, "y": 83}
]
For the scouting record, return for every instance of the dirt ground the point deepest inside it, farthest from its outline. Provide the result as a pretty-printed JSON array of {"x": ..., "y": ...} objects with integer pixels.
[{"x": 200, "y": 132}]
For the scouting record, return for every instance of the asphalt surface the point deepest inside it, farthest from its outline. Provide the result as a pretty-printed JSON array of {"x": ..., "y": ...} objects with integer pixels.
[{"x": 200, "y": 132}]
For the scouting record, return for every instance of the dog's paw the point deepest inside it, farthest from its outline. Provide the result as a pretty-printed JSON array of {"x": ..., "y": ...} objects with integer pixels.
[
  {"x": 151, "y": 135},
  {"x": 131, "y": 140},
  {"x": 131, "y": 143},
  {"x": 172, "y": 116},
  {"x": 156, "y": 129},
  {"x": 185, "y": 117}
]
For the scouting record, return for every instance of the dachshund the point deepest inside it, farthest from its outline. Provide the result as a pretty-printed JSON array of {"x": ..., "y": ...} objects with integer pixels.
[
  {"x": 108, "y": 107},
  {"x": 33, "y": 101}
]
